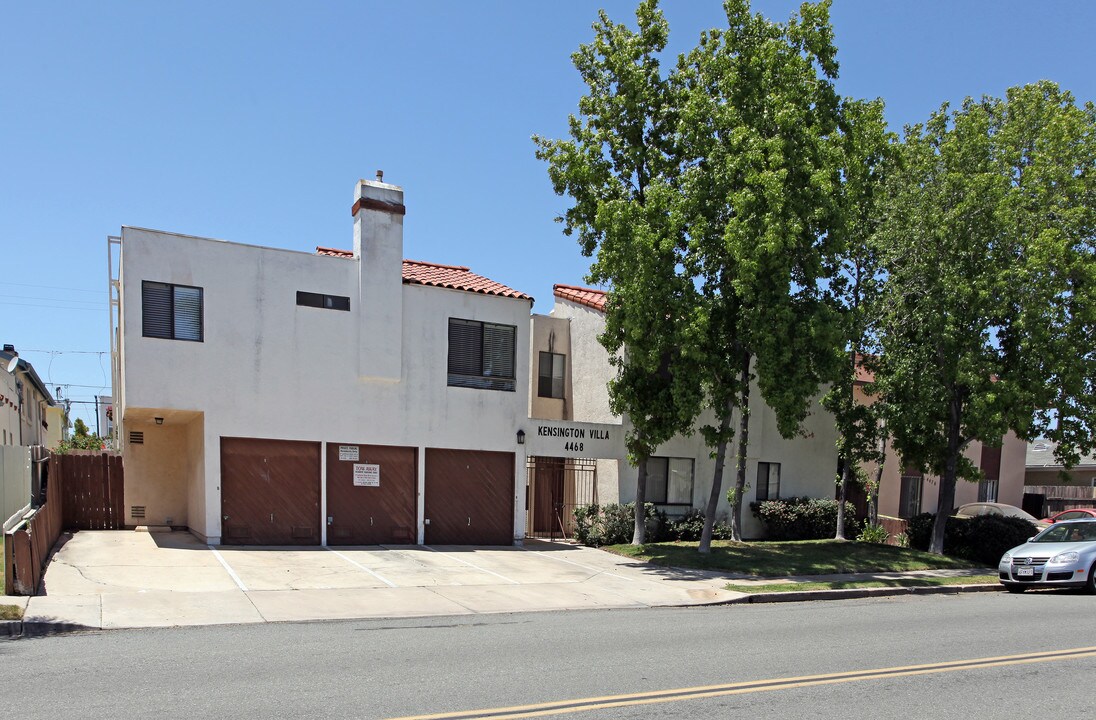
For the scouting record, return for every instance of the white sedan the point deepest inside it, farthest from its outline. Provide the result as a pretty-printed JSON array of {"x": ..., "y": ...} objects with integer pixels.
[{"x": 1062, "y": 555}]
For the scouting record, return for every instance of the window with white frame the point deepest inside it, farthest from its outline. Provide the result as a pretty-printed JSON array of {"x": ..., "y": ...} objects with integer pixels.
[
  {"x": 670, "y": 481},
  {"x": 172, "y": 312},
  {"x": 481, "y": 355},
  {"x": 768, "y": 481}
]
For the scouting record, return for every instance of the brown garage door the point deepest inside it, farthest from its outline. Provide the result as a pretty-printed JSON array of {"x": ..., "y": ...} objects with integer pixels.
[
  {"x": 377, "y": 507},
  {"x": 469, "y": 497},
  {"x": 270, "y": 492}
]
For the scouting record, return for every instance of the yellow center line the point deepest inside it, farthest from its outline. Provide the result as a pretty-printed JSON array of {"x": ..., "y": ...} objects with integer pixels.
[{"x": 707, "y": 691}]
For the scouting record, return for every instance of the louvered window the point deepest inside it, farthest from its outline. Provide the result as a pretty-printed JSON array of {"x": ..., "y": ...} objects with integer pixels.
[
  {"x": 481, "y": 355},
  {"x": 173, "y": 312}
]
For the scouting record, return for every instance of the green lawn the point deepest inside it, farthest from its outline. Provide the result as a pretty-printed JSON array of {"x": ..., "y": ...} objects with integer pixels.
[
  {"x": 10, "y": 612},
  {"x": 779, "y": 559},
  {"x": 897, "y": 582}
]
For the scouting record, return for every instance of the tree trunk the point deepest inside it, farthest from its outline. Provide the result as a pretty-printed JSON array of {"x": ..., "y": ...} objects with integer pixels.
[
  {"x": 743, "y": 445},
  {"x": 842, "y": 493},
  {"x": 846, "y": 468},
  {"x": 873, "y": 492},
  {"x": 946, "y": 497},
  {"x": 639, "y": 535},
  {"x": 717, "y": 483}
]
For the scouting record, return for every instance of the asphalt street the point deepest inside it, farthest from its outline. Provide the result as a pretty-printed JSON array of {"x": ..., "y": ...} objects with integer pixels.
[{"x": 756, "y": 661}]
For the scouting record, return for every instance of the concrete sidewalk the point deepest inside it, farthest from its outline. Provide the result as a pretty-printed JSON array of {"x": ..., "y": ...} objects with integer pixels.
[{"x": 118, "y": 579}]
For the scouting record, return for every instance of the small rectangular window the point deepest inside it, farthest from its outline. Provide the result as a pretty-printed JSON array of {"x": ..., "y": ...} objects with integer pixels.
[
  {"x": 909, "y": 496},
  {"x": 551, "y": 374},
  {"x": 481, "y": 355},
  {"x": 172, "y": 312},
  {"x": 768, "y": 481},
  {"x": 319, "y": 300}
]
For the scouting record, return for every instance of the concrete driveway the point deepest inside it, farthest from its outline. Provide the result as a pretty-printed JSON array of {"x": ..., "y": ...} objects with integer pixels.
[{"x": 116, "y": 579}]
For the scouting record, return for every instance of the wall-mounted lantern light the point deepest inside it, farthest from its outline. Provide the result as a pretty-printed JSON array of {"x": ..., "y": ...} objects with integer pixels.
[{"x": 521, "y": 437}]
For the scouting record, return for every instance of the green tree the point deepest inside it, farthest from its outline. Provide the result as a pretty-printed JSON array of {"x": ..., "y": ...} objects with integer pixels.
[
  {"x": 986, "y": 235},
  {"x": 620, "y": 168},
  {"x": 758, "y": 128},
  {"x": 82, "y": 439},
  {"x": 855, "y": 284}
]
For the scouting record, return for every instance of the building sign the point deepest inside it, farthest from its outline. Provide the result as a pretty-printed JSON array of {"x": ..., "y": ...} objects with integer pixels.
[
  {"x": 367, "y": 475},
  {"x": 562, "y": 438},
  {"x": 348, "y": 452}
]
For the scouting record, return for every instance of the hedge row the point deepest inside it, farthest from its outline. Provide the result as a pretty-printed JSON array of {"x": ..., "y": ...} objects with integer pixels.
[{"x": 982, "y": 539}]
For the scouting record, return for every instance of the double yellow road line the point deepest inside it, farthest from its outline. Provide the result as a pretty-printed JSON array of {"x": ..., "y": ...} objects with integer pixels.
[{"x": 707, "y": 691}]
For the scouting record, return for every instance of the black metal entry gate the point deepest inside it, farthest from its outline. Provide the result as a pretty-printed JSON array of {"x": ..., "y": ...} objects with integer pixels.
[{"x": 555, "y": 487}]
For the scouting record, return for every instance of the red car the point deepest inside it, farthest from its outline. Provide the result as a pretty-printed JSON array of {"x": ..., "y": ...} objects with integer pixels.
[{"x": 1074, "y": 514}]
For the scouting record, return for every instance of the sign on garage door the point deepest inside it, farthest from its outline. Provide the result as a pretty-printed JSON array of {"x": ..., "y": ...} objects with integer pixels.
[{"x": 371, "y": 494}]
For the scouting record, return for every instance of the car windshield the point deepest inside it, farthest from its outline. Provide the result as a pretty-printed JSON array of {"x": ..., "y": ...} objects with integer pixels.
[{"x": 1068, "y": 532}]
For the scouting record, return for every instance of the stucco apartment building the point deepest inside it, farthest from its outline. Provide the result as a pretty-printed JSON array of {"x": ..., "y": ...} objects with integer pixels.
[
  {"x": 267, "y": 396},
  {"x": 681, "y": 473},
  {"x": 565, "y": 344}
]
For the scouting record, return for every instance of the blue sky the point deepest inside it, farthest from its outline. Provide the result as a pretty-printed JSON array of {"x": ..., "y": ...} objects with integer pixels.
[{"x": 251, "y": 122}]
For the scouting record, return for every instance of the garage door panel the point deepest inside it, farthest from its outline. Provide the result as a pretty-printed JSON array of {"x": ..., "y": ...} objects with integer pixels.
[
  {"x": 270, "y": 492},
  {"x": 469, "y": 497},
  {"x": 365, "y": 515}
]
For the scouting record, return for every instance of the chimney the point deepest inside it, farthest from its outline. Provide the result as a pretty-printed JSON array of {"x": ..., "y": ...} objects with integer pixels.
[{"x": 378, "y": 248}]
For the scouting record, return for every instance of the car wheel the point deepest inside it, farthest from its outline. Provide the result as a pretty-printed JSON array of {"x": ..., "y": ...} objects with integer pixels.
[
  {"x": 1015, "y": 588},
  {"x": 1090, "y": 586}
]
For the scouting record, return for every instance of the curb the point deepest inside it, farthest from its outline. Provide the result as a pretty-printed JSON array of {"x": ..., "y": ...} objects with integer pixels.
[
  {"x": 42, "y": 628},
  {"x": 857, "y": 593},
  {"x": 11, "y": 629}
]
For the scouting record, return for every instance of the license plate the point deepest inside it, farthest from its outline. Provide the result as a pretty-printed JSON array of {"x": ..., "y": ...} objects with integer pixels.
[{"x": 1025, "y": 572}]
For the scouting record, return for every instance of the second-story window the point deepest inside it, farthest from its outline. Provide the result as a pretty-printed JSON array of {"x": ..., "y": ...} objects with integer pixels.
[
  {"x": 319, "y": 300},
  {"x": 550, "y": 378},
  {"x": 481, "y": 355},
  {"x": 173, "y": 312}
]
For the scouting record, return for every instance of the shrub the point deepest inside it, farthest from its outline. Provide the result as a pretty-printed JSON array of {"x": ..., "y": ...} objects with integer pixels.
[
  {"x": 919, "y": 530},
  {"x": 873, "y": 534},
  {"x": 689, "y": 527},
  {"x": 614, "y": 524},
  {"x": 983, "y": 539},
  {"x": 798, "y": 518}
]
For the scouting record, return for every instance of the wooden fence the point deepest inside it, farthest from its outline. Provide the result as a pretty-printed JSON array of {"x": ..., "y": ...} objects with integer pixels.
[
  {"x": 92, "y": 490},
  {"x": 1047, "y": 500},
  {"x": 83, "y": 492}
]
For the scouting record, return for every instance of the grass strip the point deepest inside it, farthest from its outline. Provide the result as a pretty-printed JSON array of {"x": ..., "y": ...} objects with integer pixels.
[
  {"x": 11, "y": 612},
  {"x": 780, "y": 559},
  {"x": 849, "y": 585}
]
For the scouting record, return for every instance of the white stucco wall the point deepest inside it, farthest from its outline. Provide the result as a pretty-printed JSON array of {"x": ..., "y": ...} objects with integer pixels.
[{"x": 269, "y": 368}]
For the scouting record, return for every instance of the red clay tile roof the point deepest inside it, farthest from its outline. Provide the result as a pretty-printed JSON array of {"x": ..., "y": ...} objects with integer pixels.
[
  {"x": 581, "y": 295},
  {"x": 453, "y": 277},
  {"x": 333, "y": 252}
]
